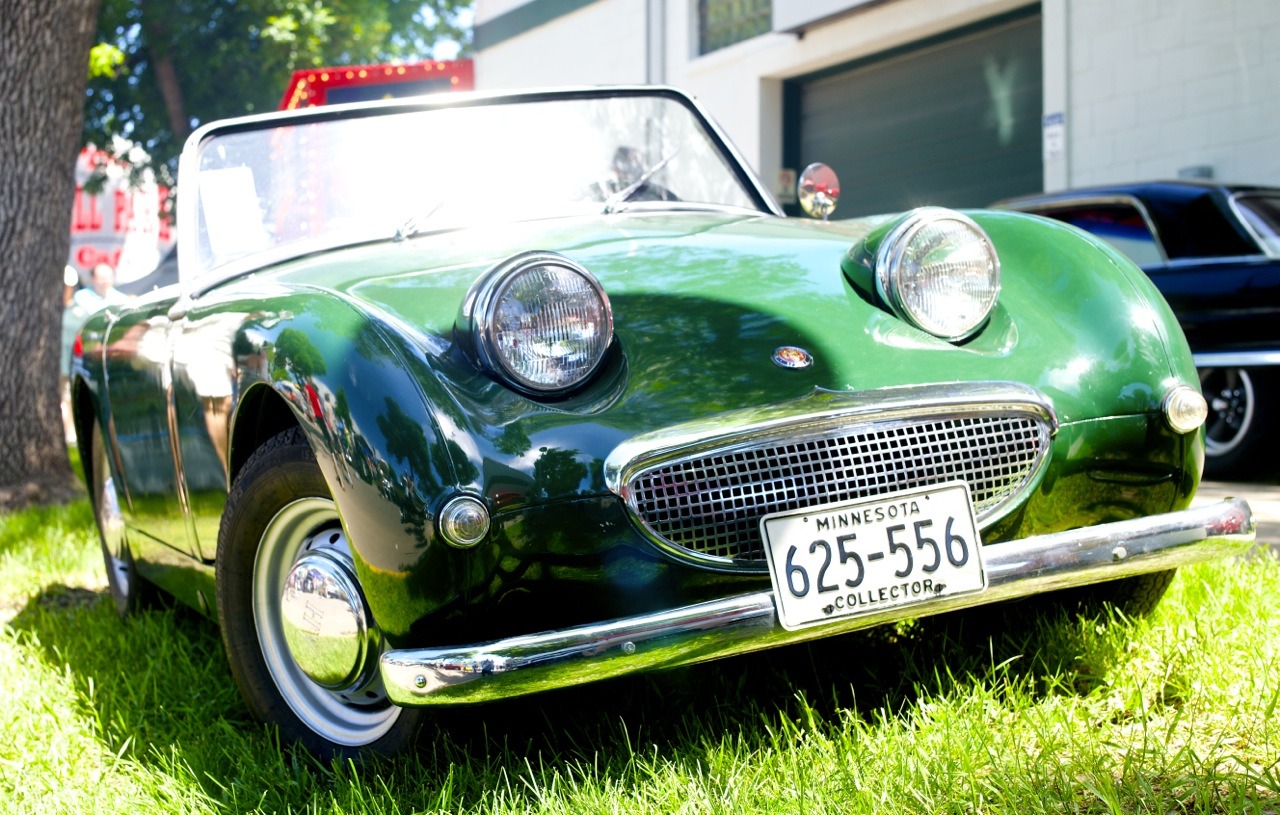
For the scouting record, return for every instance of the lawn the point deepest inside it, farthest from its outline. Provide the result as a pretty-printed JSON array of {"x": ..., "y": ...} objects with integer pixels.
[{"x": 1172, "y": 713}]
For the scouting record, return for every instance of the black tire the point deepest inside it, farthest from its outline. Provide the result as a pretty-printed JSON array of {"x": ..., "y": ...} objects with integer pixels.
[
  {"x": 277, "y": 506},
  {"x": 1135, "y": 596},
  {"x": 130, "y": 591},
  {"x": 1019, "y": 622},
  {"x": 1239, "y": 429}
]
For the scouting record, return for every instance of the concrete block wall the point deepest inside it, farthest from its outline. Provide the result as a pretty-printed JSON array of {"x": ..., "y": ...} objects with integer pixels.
[
  {"x": 601, "y": 43},
  {"x": 1155, "y": 86}
]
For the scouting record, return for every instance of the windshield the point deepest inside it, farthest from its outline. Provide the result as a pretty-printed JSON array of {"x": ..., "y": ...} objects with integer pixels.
[{"x": 290, "y": 187}]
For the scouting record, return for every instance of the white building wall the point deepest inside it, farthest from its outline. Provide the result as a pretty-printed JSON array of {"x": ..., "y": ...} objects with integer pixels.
[
  {"x": 1147, "y": 87},
  {"x": 600, "y": 44},
  {"x": 1161, "y": 85}
]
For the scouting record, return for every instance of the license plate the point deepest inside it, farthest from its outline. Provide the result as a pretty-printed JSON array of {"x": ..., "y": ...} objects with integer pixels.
[{"x": 872, "y": 554}]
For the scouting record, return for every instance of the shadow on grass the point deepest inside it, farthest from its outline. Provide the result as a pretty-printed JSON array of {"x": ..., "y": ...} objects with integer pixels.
[
  {"x": 886, "y": 669},
  {"x": 165, "y": 698}
]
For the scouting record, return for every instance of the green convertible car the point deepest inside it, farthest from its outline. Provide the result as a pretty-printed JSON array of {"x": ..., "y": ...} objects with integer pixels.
[{"x": 465, "y": 397}]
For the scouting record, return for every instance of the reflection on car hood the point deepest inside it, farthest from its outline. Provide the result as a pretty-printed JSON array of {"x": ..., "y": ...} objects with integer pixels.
[{"x": 702, "y": 300}]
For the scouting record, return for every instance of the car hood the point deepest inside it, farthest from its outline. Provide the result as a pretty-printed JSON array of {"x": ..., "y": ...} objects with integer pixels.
[{"x": 702, "y": 300}]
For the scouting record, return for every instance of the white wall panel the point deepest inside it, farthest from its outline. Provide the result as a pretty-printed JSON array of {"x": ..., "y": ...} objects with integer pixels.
[
  {"x": 1159, "y": 86},
  {"x": 603, "y": 43}
]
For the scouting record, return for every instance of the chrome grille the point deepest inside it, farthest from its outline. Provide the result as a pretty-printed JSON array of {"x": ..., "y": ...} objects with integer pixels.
[{"x": 711, "y": 504}]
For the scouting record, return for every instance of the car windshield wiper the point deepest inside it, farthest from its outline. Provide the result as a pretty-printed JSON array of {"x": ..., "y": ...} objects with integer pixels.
[
  {"x": 413, "y": 224},
  {"x": 613, "y": 202}
]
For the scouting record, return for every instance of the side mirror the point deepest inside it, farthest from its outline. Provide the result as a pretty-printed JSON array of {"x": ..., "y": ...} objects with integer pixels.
[{"x": 819, "y": 190}]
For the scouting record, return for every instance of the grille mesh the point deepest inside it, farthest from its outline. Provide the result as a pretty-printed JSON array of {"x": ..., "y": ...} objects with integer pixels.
[{"x": 712, "y": 504}]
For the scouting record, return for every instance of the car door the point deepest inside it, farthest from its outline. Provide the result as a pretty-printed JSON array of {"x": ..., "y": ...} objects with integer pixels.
[
  {"x": 204, "y": 392},
  {"x": 139, "y": 382},
  {"x": 1222, "y": 303}
]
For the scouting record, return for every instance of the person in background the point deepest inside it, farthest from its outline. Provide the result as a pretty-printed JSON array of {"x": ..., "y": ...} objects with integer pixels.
[{"x": 101, "y": 292}]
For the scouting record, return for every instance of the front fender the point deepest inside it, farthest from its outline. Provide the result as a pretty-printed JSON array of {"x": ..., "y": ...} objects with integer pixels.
[{"x": 347, "y": 379}]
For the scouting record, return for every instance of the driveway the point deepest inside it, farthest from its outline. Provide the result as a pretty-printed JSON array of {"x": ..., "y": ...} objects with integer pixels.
[{"x": 1264, "y": 499}]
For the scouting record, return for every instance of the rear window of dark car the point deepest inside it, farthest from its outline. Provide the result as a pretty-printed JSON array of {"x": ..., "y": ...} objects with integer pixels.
[
  {"x": 1262, "y": 214},
  {"x": 1195, "y": 221},
  {"x": 1119, "y": 224}
]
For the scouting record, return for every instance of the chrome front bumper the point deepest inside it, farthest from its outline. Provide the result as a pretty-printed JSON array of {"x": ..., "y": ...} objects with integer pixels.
[{"x": 734, "y": 625}]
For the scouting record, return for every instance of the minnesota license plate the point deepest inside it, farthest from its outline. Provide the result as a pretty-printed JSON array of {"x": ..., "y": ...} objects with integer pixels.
[{"x": 872, "y": 554}]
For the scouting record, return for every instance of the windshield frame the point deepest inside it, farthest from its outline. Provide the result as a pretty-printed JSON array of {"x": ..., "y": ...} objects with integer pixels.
[{"x": 195, "y": 280}]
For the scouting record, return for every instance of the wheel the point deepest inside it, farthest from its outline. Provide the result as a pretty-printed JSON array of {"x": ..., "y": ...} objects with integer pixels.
[
  {"x": 1237, "y": 431},
  {"x": 1136, "y": 596},
  {"x": 301, "y": 641},
  {"x": 129, "y": 590}
]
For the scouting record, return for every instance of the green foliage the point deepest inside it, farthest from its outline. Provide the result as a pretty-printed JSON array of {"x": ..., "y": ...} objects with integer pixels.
[
  {"x": 104, "y": 60},
  {"x": 296, "y": 357},
  {"x": 235, "y": 57}
]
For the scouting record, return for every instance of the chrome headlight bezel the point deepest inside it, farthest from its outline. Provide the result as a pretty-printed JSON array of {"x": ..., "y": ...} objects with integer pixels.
[
  {"x": 483, "y": 323},
  {"x": 894, "y": 281}
]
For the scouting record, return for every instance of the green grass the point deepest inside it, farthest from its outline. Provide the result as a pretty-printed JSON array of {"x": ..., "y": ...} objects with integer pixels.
[{"x": 1169, "y": 714}]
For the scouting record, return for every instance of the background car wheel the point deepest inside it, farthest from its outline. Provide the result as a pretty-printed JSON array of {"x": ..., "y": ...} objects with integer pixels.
[
  {"x": 1020, "y": 619},
  {"x": 282, "y": 554},
  {"x": 1237, "y": 432},
  {"x": 129, "y": 590},
  {"x": 1136, "y": 596}
]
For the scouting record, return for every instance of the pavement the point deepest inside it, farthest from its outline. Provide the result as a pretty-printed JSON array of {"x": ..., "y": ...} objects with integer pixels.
[{"x": 1264, "y": 500}]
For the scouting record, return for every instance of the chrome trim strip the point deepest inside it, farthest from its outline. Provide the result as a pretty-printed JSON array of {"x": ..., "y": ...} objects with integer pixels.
[
  {"x": 1236, "y": 359},
  {"x": 813, "y": 415},
  {"x": 734, "y": 625},
  {"x": 477, "y": 319},
  {"x": 888, "y": 265},
  {"x": 1220, "y": 260},
  {"x": 818, "y": 408}
]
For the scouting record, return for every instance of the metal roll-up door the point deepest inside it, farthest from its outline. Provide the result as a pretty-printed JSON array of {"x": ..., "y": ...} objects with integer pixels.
[{"x": 952, "y": 121}]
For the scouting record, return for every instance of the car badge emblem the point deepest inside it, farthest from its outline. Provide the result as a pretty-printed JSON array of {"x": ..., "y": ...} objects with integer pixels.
[{"x": 789, "y": 356}]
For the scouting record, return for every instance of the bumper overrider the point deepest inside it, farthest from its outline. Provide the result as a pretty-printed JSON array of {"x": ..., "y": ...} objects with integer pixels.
[{"x": 749, "y": 622}]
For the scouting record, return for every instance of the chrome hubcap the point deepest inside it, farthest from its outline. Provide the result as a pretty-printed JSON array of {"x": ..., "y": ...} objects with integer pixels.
[
  {"x": 1229, "y": 392},
  {"x": 302, "y": 583},
  {"x": 325, "y": 621}
]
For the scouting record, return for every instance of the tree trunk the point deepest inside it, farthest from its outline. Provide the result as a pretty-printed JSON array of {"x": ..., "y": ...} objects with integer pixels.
[
  {"x": 156, "y": 32},
  {"x": 167, "y": 79},
  {"x": 44, "y": 50}
]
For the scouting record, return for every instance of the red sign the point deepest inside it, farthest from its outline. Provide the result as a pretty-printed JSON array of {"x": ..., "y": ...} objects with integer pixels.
[
  {"x": 366, "y": 83},
  {"x": 124, "y": 226}
]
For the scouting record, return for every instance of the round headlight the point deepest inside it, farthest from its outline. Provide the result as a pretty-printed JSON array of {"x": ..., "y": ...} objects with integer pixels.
[
  {"x": 938, "y": 270},
  {"x": 542, "y": 322}
]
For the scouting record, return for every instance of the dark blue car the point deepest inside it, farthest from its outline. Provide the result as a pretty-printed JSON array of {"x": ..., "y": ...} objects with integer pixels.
[{"x": 1213, "y": 250}]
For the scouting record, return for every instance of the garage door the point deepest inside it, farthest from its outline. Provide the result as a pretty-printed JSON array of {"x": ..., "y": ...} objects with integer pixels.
[{"x": 953, "y": 121}]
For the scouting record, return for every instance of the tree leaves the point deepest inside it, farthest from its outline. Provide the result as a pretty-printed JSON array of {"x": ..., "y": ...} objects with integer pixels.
[
  {"x": 104, "y": 59},
  {"x": 161, "y": 69}
]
